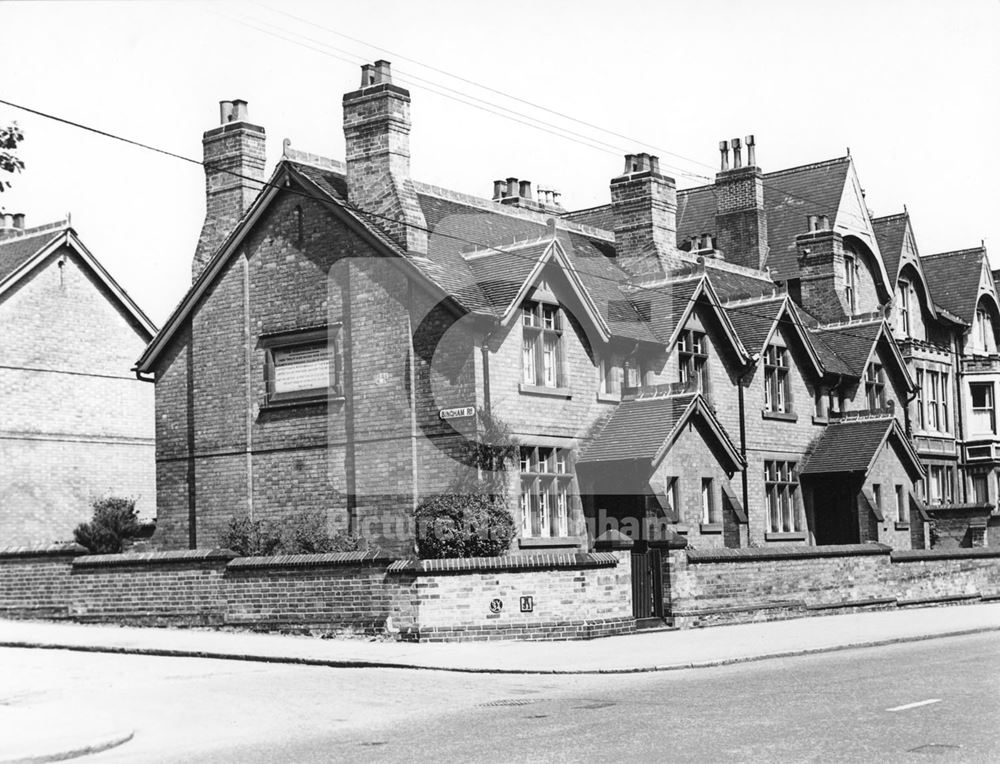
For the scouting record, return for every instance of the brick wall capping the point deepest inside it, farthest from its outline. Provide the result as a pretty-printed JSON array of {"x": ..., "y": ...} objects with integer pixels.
[
  {"x": 325, "y": 560},
  {"x": 505, "y": 563},
  {"x": 43, "y": 550},
  {"x": 232, "y": 127},
  {"x": 961, "y": 553},
  {"x": 944, "y": 509},
  {"x": 154, "y": 558},
  {"x": 752, "y": 554}
]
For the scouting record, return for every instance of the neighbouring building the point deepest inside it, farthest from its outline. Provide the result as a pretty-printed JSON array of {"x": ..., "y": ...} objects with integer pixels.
[
  {"x": 756, "y": 361},
  {"x": 76, "y": 425}
]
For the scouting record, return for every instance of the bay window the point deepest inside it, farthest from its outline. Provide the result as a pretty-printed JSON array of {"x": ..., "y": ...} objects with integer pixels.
[{"x": 983, "y": 416}]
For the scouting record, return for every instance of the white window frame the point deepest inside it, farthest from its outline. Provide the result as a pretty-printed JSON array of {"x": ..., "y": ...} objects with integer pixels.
[
  {"x": 546, "y": 490},
  {"x": 541, "y": 345},
  {"x": 781, "y": 484}
]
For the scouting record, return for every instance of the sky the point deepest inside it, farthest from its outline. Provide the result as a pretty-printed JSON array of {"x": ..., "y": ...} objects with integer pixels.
[{"x": 909, "y": 86}]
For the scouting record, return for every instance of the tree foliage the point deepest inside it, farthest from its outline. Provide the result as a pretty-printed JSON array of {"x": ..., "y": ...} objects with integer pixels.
[
  {"x": 113, "y": 525},
  {"x": 10, "y": 137}
]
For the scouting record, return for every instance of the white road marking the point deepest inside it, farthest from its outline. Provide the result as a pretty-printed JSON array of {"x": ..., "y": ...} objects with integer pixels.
[{"x": 919, "y": 703}]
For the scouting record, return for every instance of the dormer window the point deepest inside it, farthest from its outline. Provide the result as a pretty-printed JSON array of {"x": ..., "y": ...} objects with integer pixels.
[
  {"x": 851, "y": 282},
  {"x": 777, "y": 387},
  {"x": 904, "y": 308},
  {"x": 875, "y": 386},
  {"x": 692, "y": 359},
  {"x": 541, "y": 357}
]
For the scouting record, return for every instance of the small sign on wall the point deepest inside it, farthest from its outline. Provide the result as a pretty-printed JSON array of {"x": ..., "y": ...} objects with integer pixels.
[
  {"x": 459, "y": 413},
  {"x": 527, "y": 604},
  {"x": 496, "y": 605}
]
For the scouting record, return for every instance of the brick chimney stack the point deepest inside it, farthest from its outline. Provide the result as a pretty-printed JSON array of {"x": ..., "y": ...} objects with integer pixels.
[
  {"x": 377, "y": 129},
  {"x": 644, "y": 205},
  {"x": 234, "y": 175},
  {"x": 740, "y": 218}
]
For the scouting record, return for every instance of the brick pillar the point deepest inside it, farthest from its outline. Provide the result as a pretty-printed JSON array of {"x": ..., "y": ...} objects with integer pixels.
[
  {"x": 377, "y": 130},
  {"x": 644, "y": 204},
  {"x": 234, "y": 175}
]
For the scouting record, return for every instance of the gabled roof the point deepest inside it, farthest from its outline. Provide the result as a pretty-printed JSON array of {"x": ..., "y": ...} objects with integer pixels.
[
  {"x": 851, "y": 445},
  {"x": 955, "y": 276},
  {"x": 757, "y": 320},
  {"x": 847, "y": 348},
  {"x": 644, "y": 429},
  {"x": 670, "y": 304},
  {"x": 890, "y": 231},
  {"x": 20, "y": 255}
]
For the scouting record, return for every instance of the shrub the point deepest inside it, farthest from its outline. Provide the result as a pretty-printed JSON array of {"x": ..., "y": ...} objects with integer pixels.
[
  {"x": 249, "y": 538},
  {"x": 113, "y": 525},
  {"x": 299, "y": 533},
  {"x": 464, "y": 525}
]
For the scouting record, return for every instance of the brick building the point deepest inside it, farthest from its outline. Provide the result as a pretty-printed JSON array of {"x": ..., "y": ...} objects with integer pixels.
[
  {"x": 748, "y": 362},
  {"x": 75, "y": 424}
]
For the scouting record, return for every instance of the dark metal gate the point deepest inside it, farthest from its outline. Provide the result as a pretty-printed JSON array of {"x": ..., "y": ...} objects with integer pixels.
[{"x": 647, "y": 584}]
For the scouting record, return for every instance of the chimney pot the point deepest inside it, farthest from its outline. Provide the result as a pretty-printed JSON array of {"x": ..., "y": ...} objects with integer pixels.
[
  {"x": 367, "y": 75},
  {"x": 629, "y": 164},
  {"x": 225, "y": 112},
  {"x": 654, "y": 164},
  {"x": 512, "y": 187},
  {"x": 8, "y": 220},
  {"x": 644, "y": 162},
  {"x": 724, "y": 151},
  {"x": 751, "y": 151},
  {"x": 19, "y": 220},
  {"x": 499, "y": 189},
  {"x": 240, "y": 113},
  {"x": 737, "y": 148},
  {"x": 824, "y": 223},
  {"x": 706, "y": 241},
  {"x": 383, "y": 72},
  {"x": 813, "y": 222},
  {"x": 556, "y": 197},
  {"x": 525, "y": 189}
]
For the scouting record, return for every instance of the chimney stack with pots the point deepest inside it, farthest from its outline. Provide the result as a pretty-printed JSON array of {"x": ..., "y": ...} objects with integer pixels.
[
  {"x": 234, "y": 175},
  {"x": 644, "y": 206},
  {"x": 377, "y": 133},
  {"x": 740, "y": 217}
]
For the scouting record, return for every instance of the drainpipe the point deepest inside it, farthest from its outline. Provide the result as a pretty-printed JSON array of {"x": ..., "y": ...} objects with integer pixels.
[
  {"x": 959, "y": 408},
  {"x": 743, "y": 439}
]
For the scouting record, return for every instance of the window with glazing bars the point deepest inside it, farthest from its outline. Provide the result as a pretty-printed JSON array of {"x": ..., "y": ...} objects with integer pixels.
[
  {"x": 781, "y": 483},
  {"x": 541, "y": 358},
  {"x": 546, "y": 480}
]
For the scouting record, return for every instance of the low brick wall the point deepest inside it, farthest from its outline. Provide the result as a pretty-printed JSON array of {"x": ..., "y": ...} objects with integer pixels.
[
  {"x": 343, "y": 592},
  {"x": 35, "y": 581},
  {"x": 153, "y": 588},
  {"x": 744, "y": 585},
  {"x": 572, "y": 596}
]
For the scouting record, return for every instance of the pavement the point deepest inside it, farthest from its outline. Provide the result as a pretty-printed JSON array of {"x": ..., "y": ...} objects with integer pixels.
[{"x": 37, "y": 740}]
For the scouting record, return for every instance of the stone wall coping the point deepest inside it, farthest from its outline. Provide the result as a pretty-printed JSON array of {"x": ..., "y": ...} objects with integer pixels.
[
  {"x": 327, "y": 559},
  {"x": 512, "y": 562},
  {"x": 961, "y": 553},
  {"x": 787, "y": 552},
  {"x": 68, "y": 548},
  {"x": 154, "y": 558}
]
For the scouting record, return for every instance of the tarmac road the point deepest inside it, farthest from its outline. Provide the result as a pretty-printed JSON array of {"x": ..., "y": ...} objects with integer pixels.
[{"x": 936, "y": 699}]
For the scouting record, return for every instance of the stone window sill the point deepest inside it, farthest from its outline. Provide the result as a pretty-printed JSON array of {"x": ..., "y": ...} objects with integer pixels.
[
  {"x": 551, "y": 392},
  {"x": 710, "y": 528},
  {"x": 820, "y": 420},
  {"x": 298, "y": 403},
  {"x": 609, "y": 398},
  {"x": 551, "y": 542},
  {"x": 902, "y": 526},
  {"x": 794, "y": 536},
  {"x": 784, "y": 416}
]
